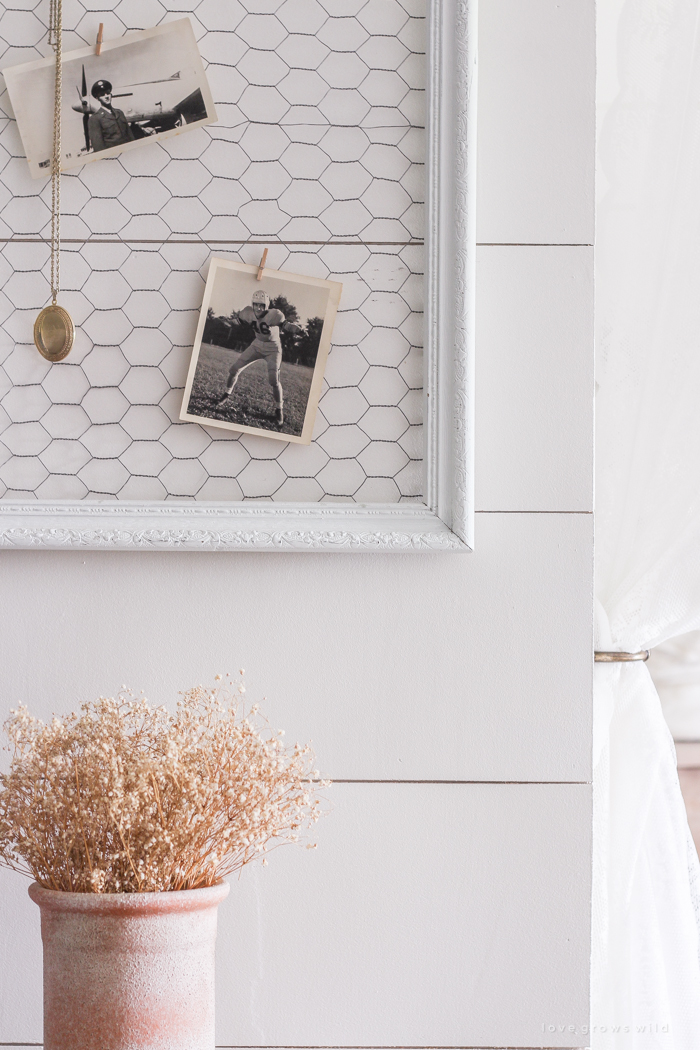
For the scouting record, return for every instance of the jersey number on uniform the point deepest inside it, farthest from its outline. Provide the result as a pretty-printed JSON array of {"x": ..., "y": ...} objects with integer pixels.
[{"x": 261, "y": 327}]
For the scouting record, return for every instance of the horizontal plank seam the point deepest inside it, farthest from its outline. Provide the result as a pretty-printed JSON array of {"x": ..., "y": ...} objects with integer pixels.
[
  {"x": 430, "y": 1046},
  {"x": 534, "y": 244},
  {"x": 530, "y": 512},
  {"x": 457, "y": 783},
  {"x": 192, "y": 240},
  {"x": 416, "y": 242}
]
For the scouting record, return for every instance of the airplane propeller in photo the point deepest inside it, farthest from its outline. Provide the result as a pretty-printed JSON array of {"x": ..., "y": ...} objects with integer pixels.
[{"x": 144, "y": 120}]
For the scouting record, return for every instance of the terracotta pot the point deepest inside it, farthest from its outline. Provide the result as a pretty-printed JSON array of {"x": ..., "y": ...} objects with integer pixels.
[{"x": 129, "y": 971}]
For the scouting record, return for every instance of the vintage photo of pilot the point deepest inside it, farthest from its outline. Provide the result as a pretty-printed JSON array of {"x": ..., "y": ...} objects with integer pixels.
[
  {"x": 108, "y": 126},
  {"x": 260, "y": 351},
  {"x": 148, "y": 85}
]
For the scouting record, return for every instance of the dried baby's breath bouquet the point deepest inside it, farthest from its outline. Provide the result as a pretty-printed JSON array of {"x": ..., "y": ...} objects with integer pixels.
[{"x": 127, "y": 798}]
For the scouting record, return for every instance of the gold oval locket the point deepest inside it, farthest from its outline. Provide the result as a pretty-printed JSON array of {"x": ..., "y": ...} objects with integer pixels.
[
  {"x": 53, "y": 329},
  {"x": 54, "y": 333}
]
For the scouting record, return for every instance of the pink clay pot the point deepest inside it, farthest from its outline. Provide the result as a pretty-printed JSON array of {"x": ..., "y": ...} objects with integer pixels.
[{"x": 129, "y": 971}]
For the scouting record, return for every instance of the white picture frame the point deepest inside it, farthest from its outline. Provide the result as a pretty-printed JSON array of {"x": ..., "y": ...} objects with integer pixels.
[{"x": 444, "y": 520}]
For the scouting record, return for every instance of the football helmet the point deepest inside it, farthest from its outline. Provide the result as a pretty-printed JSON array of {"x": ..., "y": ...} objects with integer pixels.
[{"x": 261, "y": 298}]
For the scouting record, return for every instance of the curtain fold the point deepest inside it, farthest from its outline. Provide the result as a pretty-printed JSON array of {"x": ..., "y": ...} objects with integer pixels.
[
  {"x": 675, "y": 668},
  {"x": 646, "y": 957}
]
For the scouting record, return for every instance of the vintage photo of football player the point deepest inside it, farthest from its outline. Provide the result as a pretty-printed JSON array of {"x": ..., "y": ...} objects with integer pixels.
[
  {"x": 260, "y": 351},
  {"x": 148, "y": 85}
]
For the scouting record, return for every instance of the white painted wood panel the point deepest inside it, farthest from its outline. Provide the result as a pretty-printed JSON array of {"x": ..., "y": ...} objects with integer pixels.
[
  {"x": 534, "y": 414},
  {"x": 106, "y": 424},
  {"x": 429, "y": 915},
  {"x": 320, "y": 137},
  {"x": 474, "y": 667},
  {"x": 443, "y": 914},
  {"x": 536, "y": 138}
]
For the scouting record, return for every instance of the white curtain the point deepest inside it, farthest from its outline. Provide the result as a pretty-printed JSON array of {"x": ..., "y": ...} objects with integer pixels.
[
  {"x": 675, "y": 668},
  {"x": 646, "y": 965}
]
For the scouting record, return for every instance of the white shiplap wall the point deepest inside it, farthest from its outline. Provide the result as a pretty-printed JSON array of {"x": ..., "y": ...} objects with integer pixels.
[{"x": 448, "y": 902}]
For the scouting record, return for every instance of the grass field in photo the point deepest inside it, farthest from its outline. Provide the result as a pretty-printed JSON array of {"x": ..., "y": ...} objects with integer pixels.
[{"x": 251, "y": 404}]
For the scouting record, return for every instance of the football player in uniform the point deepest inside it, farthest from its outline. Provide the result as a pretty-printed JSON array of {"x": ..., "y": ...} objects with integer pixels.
[{"x": 266, "y": 346}]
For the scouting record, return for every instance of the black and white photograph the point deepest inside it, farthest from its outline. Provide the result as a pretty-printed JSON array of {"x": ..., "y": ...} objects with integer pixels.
[
  {"x": 260, "y": 351},
  {"x": 148, "y": 85}
]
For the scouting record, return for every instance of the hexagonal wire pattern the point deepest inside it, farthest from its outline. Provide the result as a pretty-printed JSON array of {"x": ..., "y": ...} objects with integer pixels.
[{"x": 319, "y": 152}]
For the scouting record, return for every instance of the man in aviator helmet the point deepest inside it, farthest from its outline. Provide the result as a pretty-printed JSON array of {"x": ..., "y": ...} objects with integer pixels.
[
  {"x": 266, "y": 346},
  {"x": 107, "y": 126}
]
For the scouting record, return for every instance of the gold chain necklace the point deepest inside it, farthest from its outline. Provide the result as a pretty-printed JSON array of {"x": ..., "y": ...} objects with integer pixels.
[{"x": 53, "y": 328}]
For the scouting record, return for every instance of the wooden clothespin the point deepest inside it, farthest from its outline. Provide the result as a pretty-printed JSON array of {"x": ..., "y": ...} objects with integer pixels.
[
  {"x": 261, "y": 267},
  {"x": 98, "y": 45}
]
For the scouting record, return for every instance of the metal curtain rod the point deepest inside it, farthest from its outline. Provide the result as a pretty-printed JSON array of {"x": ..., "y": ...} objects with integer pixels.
[{"x": 621, "y": 658}]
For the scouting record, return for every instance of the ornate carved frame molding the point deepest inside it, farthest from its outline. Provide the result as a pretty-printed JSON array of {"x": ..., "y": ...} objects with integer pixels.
[{"x": 445, "y": 521}]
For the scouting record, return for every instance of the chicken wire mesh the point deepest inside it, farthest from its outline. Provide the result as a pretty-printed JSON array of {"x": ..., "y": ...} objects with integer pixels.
[{"x": 319, "y": 153}]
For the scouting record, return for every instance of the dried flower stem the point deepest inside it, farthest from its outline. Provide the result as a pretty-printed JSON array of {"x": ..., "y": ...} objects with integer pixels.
[
  {"x": 82, "y": 829},
  {"x": 155, "y": 792}
]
